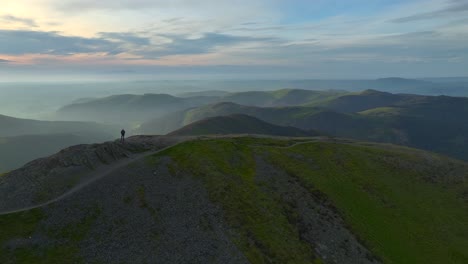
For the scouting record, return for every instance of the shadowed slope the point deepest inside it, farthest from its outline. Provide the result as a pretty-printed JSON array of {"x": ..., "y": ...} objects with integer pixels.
[
  {"x": 238, "y": 124},
  {"x": 10, "y": 126}
]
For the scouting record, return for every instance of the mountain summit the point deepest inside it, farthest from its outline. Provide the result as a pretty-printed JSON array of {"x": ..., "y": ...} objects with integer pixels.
[{"x": 231, "y": 199}]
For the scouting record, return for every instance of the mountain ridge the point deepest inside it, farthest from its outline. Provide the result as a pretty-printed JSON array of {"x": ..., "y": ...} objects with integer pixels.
[{"x": 245, "y": 200}]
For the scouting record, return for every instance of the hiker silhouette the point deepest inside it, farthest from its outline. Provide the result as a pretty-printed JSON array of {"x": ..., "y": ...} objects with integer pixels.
[{"x": 122, "y": 135}]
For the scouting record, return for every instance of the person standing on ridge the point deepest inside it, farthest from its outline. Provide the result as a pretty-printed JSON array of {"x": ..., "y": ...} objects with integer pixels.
[{"x": 122, "y": 136}]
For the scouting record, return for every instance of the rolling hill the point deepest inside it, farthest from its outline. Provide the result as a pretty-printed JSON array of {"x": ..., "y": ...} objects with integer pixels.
[
  {"x": 236, "y": 200},
  {"x": 17, "y": 151},
  {"x": 129, "y": 108},
  {"x": 134, "y": 109},
  {"x": 10, "y": 126},
  {"x": 435, "y": 123},
  {"x": 22, "y": 140},
  {"x": 274, "y": 115},
  {"x": 238, "y": 124},
  {"x": 437, "y": 108},
  {"x": 283, "y": 97}
]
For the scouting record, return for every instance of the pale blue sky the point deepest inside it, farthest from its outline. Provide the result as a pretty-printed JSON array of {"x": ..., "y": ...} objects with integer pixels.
[{"x": 238, "y": 39}]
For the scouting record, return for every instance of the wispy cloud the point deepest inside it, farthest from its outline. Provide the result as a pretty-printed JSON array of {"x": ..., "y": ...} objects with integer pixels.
[
  {"x": 453, "y": 7},
  {"x": 126, "y": 37},
  {"x": 17, "y": 42},
  {"x": 208, "y": 42},
  {"x": 14, "y": 19},
  {"x": 302, "y": 35}
]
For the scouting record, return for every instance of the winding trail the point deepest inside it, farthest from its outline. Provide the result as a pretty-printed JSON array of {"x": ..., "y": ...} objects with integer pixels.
[
  {"x": 95, "y": 175},
  {"x": 105, "y": 170}
]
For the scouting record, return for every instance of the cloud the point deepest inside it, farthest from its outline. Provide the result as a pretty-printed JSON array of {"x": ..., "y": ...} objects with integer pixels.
[
  {"x": 207, "y": 43},
  {"x": 17, "y": 42},
  {"x": 67, "y": 5},
  {"x": 5, "y": 61},
  {"x": 104, "y": 4},
  {"x": 221, "y": 11},
  {"x": 430, "y": 47},
  {"x": 201, "y": 33},
  {"x": 453, "y": 7},
  {"x": 126, "y": 37},
  {"x": 184, "y": 8},
  {"x": 14, "y": 19}
]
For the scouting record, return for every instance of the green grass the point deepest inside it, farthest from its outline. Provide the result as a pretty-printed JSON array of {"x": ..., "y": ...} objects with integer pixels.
[
  {"x": 143, "y": 203},
  {"x": 403, "y": 218},
  {"x": 227, "y": 169},
  {"x": 390, "y": 206},
  {"x": 382, "y": 111},
  {"x": 22, "y": 227}
]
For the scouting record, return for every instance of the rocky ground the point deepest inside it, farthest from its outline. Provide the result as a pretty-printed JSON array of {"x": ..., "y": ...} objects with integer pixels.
[
  {"x": 44, "y": 179},
  {"x": 318, "y": 221}
]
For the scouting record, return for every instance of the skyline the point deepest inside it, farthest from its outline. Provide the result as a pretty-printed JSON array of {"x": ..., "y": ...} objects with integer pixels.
[{"x": 236, "y": 39}]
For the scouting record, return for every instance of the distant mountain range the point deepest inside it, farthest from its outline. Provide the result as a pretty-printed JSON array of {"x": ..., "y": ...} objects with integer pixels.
[
  {"x": 11, "y": 126},
  {"x": 433, "y": 123},
  {"x": 128, "y": 108},
  {"x": 426, "y": 86},
  {"x": 134, "y": 109}
]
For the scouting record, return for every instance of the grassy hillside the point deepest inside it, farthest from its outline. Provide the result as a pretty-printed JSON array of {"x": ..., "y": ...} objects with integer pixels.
[
  {"x": 439, "y": 108},
  {"x": 283, "y": 97},
  {"x": 238, "y": 124},
  {"x": 390, "y": 198},
  {"x": 365, "y": 100},
  {"x": 275, "y": 201}
]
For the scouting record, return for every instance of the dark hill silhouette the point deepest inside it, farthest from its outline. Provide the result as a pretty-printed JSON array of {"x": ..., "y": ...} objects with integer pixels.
[
  {"x": 238, "y": 124},
  {"x": 10, "y": 126},
  {"x": 274, "y": 115},
  {"x": 365, "y": 100},
  {"x": 17, "y": 151},
  {"x": 283, "y": 97},
  {"x": 22, "y": 140}
]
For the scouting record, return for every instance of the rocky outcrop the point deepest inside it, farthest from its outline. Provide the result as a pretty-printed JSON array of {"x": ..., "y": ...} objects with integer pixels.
[{"x": 46, "y": 178}]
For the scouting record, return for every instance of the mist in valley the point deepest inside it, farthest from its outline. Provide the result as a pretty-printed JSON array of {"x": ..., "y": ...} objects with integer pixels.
[{"x": 54, "y": 115}]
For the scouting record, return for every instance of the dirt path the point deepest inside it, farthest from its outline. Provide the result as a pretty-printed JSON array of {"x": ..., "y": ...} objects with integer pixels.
[
  {"x": 99, "y": 173},
  {"x": 105, "y": 170}
]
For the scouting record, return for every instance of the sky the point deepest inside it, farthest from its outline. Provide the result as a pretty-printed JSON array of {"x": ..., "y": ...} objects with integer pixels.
[{"x": 260, "y": 39}]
